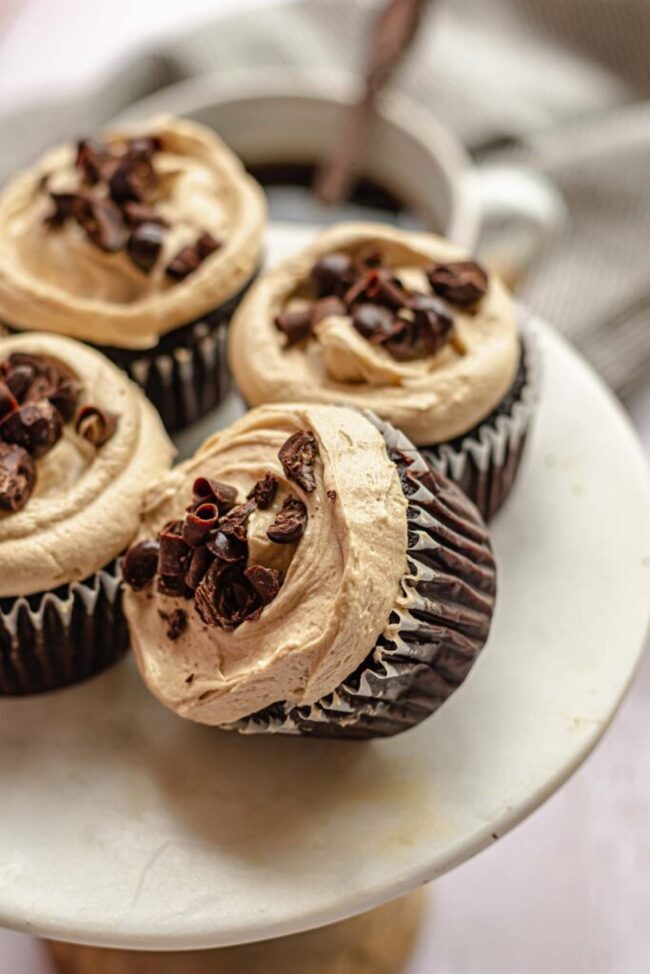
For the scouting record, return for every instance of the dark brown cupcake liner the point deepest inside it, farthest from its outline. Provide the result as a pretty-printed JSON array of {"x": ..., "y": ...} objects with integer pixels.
[
  {"x": 484, "y": 462},
  {"x": 186, "y": 375},
  {"x": 53, "y": 639},
  {"x": 438, "y": 626}
]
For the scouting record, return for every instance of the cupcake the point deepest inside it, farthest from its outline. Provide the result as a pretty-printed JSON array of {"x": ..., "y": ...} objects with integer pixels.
[
  {"x": 78, "y": 444},
  {"x": 141, "y": 244},
  {"x": 307, "y": 572},
  {"x": 405, "y": 325}
]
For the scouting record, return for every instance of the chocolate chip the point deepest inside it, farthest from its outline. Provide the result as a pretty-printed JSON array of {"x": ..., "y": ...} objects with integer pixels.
[
  {"x": 102, "y": 221},
  {"x": 207, "y": 490},
  {"x": 176, "y": 623},
  {"x": 34, "y": 426},
  {"x": 332, "y": 274},
  {"x": 298, "y": 456},
  {"x": 296, "y": 325},
  {"x": 144, "y": 245},
  {"x": 289, "y": 524},
  {"x": 227, "y": 549},
  {"x": 265, "y": 581},
  {"x": 8, "y": 401},
  {"x": 462, "y": 282},
  {"x": 327, "y": 308},
  {"x": 375, "y": 322},
  {"x": 138, "y": 213},
  {"x": 17, "y": 477},
  {"x": 198, "y": 523},
  {"x": 174, "y": 554},
  {"x": 96, "y": 425},
  {"x": 199, "y": 564},
  {"x": 235, "y": 523},
  {"x": 264, "y": 491},
  {"x": 140, "y": 564},
  {"x": 134, "y": 177}
]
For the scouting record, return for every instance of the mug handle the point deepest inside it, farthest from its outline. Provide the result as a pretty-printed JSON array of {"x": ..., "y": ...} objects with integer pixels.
[{"x": 522, "y": 211}]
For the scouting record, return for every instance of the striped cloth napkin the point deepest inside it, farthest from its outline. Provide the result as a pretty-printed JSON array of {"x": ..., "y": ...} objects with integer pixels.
[{"x": 562, "y": 86}]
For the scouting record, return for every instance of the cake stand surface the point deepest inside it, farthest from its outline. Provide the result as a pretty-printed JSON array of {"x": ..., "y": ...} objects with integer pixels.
[{"x": 123, "y": 826}]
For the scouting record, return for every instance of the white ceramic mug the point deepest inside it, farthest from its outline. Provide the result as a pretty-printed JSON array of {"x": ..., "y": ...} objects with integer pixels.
[{"x": 271, "y": 116}]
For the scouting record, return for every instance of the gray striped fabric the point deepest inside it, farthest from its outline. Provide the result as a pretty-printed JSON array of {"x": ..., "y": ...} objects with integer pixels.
[{"x": 562, "y": 85}]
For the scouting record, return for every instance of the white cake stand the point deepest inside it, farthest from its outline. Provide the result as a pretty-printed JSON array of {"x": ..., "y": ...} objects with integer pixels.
[{"x": 123, "y": 826}]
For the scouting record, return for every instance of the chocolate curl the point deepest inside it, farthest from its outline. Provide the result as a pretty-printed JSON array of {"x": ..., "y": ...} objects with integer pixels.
[
  {"x": 206, "y": 490},
  {"x": 17, "y": 477},
  {"x": 227, "y": 549},
  {"x": 96, "y": 425},
  {"x": 34, "y": 426},
  {"x": 198, "y": 523},
  {"x": 174, "y": 555},
  {"x": 8, "y": 402},
  {"x": 202, "y": 558}
]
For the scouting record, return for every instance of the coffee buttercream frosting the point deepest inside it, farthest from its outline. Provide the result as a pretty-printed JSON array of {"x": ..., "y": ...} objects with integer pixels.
[
  {"x": 128, "y": 292},
  {"x": 311, "y": 505},
  {"x": 289, "y": 342}
]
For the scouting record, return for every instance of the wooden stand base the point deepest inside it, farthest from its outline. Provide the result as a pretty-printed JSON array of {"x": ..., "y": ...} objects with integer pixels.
[{"x": 379, "y": 942}]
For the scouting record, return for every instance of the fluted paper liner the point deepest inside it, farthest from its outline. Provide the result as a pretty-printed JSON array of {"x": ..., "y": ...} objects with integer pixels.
[
  {"x": 186, "y": 375},
  {"x": 438, "y": 626},
  {"x": 56, "y": 638},
  {"x": 485, "y": 461}
]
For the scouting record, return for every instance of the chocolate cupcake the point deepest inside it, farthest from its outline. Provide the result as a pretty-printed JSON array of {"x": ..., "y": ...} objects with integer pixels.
[
  {"x": 405, "y": 325},
  {"x": 141, "y": 244},
  {"x": 78, "y": 444},
  {"x": 307, "y": 572}
]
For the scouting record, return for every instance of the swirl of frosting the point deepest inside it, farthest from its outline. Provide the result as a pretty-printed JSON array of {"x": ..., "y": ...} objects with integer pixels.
[
  {"x": 57, "y": 280},
  {"x": 87, "y": 502},
  {"x": 432, "y": 398},
  {"x": 340, "y": 580}
]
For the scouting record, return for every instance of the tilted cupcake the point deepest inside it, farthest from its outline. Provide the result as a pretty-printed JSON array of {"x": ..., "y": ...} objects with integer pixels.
[
  {"x": 141, "y": 243},
  {"x": 78, "y": 444},
  {"x": 403, "y": 324},
  {"x": 306, "y": 572}
]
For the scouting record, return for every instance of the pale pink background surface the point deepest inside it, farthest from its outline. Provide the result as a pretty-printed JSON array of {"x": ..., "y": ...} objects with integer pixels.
[{"x": 569, "y": 891}]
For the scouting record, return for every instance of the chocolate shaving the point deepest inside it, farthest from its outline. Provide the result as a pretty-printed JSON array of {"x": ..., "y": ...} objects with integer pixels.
[
  {"x": 134, "y": 177},
  {"x": 265, "y": 581},
  {"x": 144, "y": 245},
  {"x": 64, "y": 398},
  {"x": 289, "y": 524},
  {"x": 8, "y": 401},
  {"x": 199, "y": 564},
  {"x": 176, "y": 623},
  {"x": 332, "y": 274},
  {"x": 462, "y": 282},
  {"x": 227, "y": 549},
  {"x": 376, "y": 323},
  {"x": 18, "y": 380},
  {"x": 94, "y": 159},
  {"x": 264, "y": 491},
  {"x": 17, "y": 477},
  {"x": 235, "y": 600},
  {"x": 190, "y": 258},
  {"x": 207, "y": 490},
  {"x": 96, "y": 425},
  {"x": 326, "y": 308},
  {"x": 298, "y": 456},
  {"x": 102, "y": 221},
  {"x": 296, "y": 325},
  {"x": 64, "y": 209},
  {"x": 140, "y": 564},
  {"x": 36, "y": 427},
  {"x": 138, "y": 213},
  {"x": 173, "y": 585},
  {"x": 432, "y": 321},
  {"x": 235, "y": 523},
  {"x": 198, "y": 523}
]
